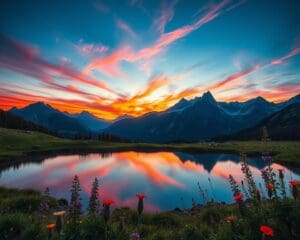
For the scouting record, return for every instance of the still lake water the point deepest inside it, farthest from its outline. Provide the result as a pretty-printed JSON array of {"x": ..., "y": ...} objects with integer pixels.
[{"x": 168, "y": 178}]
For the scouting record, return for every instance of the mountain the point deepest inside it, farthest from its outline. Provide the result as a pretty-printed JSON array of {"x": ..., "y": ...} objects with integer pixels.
[
  {"x": 52, "y": 119},
  {"x": 282, "y": 125},
  {"x": 8, "y": 120},
  {"x": 91, "y": 122},
  {"x": 182, "y": 104},
  {"x": 199, "y": 119}
]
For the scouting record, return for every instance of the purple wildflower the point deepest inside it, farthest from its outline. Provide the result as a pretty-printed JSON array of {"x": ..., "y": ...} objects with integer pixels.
[{"x": 135, "y": 236}]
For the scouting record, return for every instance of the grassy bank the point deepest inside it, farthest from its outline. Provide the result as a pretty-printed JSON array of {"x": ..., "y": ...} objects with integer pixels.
[
  {"x": 22, "y": 216},
  {"x": 16, "y": 143}
]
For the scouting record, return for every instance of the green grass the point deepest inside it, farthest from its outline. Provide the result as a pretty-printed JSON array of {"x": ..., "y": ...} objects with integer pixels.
[
  {"x": 18, "y": 143},
  {"x": 20, "y": 218}
]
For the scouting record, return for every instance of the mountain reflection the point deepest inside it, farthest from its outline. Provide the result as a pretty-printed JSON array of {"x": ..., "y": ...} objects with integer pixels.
[{"x": 165, "y": 177}]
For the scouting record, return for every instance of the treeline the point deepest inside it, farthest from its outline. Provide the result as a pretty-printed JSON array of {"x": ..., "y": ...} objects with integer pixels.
[
  {"x": 104, "y": 137},
  {"x": 8, "y": 120}
]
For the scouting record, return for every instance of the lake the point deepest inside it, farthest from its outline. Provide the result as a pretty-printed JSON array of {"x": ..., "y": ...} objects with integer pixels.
[{"x": 168, "y": 178}]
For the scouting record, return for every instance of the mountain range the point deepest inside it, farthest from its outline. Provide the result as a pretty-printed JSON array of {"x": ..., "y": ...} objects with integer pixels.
[
  {"x": 64, "y": 124},
  {"x": 199, "y": 119},
  {"x": 281, "y": 125}
]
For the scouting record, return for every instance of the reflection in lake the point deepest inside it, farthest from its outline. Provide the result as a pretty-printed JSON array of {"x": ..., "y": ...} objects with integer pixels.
[{"x": 168, "y": 178}]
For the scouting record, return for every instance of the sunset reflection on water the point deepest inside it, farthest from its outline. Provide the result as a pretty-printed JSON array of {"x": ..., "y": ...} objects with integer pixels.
[{"x": 168, "y": 178}]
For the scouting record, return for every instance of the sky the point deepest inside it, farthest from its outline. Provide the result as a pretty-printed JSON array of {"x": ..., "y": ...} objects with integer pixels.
[{"x": 132, "y": 57}]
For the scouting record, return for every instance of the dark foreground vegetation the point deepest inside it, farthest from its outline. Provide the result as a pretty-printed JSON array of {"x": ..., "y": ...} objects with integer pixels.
[
  {"x": 271, "y": 211},
  {"x": 16, "y": 144}
]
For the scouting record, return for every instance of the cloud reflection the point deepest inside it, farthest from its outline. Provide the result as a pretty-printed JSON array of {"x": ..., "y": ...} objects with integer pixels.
[{"x": 165, "y": 177}]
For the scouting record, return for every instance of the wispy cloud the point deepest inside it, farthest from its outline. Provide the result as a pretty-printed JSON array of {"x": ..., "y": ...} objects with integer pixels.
[
  {"x": 20, "y": 58},
  {"x": 90, "y": 49},
  {"x": 100, "y": 6},
  {"x": 165, "y": 39},
  {"x": 166, "y": 14},
  {"x": 126, "y": 28}
]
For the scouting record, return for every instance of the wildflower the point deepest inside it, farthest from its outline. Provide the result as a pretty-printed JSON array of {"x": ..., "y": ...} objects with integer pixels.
[
  {"x": 50, "y": 227},
  {"x": 270, "y": 188},
  {"x": 135, "y": 236},
  {"x": 267, "y": 231},
  {"x": 140, "y": 207},
  {"x": 106, "y": 211},
  {"x": 141, "y": 196},
  {"x": 267, "y": 158},
  {"x": 248, "y": 176},
  {"x": 59, "y": 220},
  {"x": 93, "y": 208},
  {"x": 60, "y": 213},
  {"x": 295, "y": 185},
  {"x": 75, "y": 206},
  {"x": 231, "y": 218},
  {"x": 108, "y": 202},
  {"x": 238, "y": 197},
  {"x": 234, "y": 186}
]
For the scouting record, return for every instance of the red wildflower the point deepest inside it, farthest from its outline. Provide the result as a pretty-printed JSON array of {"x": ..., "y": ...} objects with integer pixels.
[
  {"x": 266, "y": 230},
  {"x": 295, "y": 183},
  {"x": 231, "y": 218},
  {"x": 51, "y": 226},
  {"x": 141, "y": 196},
  {"x": 270, "y": 187},
  {"x": 238, "y": 197},
  {"x": 108, "y": 202}
]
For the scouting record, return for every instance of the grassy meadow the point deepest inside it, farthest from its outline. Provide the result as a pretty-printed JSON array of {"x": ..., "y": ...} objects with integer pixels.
[
  {"x": 31, "y": 215},
  {"x": 17, "y": 143}
]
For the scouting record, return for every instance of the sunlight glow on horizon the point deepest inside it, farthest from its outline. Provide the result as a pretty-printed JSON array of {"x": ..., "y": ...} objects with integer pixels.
[{"x": 133, "y": 71}]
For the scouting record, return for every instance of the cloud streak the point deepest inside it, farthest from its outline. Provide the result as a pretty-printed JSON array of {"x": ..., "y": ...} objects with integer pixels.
[
  {"x": 166, "y": 15},
  {"x": 126, "y": 28},
  {"x": 22, "y": 59},
  {"x": 110, "y": 64}
]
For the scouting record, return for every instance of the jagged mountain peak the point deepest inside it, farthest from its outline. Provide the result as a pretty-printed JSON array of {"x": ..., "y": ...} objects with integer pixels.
[{"x": 208, "y": 95}]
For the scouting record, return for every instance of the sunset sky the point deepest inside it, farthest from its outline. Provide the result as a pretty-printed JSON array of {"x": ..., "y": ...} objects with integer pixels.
[{"x": 135, "y": 56}]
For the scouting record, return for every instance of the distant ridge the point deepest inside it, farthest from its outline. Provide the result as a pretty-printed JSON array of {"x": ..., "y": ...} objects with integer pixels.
[
  {"x": 282, "y": 125},
  {"x": 199, "y": 119},
  {"x": 55, "y": 121}
]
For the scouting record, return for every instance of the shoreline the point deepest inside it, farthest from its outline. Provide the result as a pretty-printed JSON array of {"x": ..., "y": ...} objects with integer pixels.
[{"x": 18, "y": 145}]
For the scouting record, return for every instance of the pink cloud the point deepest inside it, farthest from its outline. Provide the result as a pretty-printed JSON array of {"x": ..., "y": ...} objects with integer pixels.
[
  {"x": 110, "y": 63},
  {"x": 90, "y": 49},
  {"x": 280, "y": 60},
  {"x": 23, "y": 59},
  {"x": 126, "y": 28},
  {"x": 166, "y": 15}
]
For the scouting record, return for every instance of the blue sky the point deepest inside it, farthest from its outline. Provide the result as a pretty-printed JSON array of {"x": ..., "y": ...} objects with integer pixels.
[{"x": 132, "y": 57}]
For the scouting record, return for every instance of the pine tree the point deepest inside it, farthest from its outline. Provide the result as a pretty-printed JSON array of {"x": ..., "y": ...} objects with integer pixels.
[
  {"x": 93, "y": 208},
  {"x": 75, "y": 205}
]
